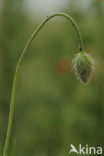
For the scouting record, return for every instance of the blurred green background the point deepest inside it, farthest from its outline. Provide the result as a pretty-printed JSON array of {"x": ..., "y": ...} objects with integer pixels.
[{"x": 52, "y": 108}]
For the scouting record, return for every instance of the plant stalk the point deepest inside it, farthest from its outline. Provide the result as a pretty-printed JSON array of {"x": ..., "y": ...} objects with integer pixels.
[{"x": 9, "y": 129}]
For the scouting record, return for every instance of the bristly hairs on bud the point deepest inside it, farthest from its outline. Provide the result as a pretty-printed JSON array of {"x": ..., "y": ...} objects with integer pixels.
[{"x": 83, "y": 66}]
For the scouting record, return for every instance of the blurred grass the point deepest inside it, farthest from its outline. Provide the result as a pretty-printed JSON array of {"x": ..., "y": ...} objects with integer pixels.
[{"x": 52, "y": 108}]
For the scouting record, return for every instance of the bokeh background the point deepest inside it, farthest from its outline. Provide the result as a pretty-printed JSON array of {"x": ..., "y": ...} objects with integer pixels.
[{"x": 52, "y": 108}]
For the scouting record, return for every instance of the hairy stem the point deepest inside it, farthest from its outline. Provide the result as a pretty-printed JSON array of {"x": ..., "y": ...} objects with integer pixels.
[{"x": 19, "y": 65}]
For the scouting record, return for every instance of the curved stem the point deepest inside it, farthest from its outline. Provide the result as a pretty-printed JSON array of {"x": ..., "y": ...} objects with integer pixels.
[{"x": 19, "y": 65}]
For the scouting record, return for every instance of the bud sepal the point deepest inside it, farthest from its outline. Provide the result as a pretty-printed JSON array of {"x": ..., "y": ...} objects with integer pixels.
[{"x": 83, "y": 66}]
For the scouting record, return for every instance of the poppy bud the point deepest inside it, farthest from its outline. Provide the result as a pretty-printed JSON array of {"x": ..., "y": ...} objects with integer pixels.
[{"x": 83, "y": 67}]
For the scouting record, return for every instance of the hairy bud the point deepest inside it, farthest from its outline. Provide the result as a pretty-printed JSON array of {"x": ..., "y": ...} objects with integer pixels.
[{"x": 83, "y": 67}]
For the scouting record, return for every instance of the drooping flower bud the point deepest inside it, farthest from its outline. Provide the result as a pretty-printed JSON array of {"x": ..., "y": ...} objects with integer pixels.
[{"x": 83, "y": 67}]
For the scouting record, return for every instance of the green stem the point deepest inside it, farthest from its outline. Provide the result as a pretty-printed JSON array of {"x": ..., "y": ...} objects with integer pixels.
[{"x": 19, "y": 65}]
